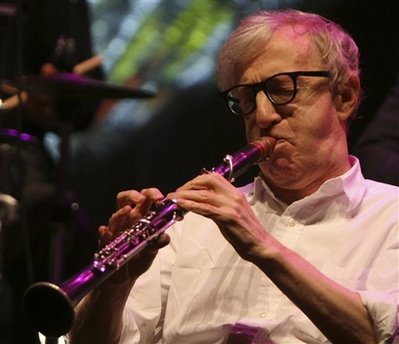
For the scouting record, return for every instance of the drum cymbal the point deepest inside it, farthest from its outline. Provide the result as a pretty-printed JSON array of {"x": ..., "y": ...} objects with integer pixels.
[{"x": 69, "y": 85}]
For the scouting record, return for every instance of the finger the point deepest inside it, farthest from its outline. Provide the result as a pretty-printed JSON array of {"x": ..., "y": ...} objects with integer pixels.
[
  {"x": 120, "y": 220},
  {"x": 104, "y": 236},
  {"x": 203, "y": 209},
  {"x": 213, "y": 190},
  {"x": 198, "y": 196},
  {"x": 152, "y": 194},
  {"x": 209, "y": 181},
  {"x": 129, "y": 197},
  {"x": 225, "y": 206},
  {"x": 142, "y": 200},
  {"x": 161, "y": 241}
]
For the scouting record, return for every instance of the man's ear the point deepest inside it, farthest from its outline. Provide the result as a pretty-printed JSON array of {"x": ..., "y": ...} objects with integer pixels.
[{"x": 347, "y": 98}]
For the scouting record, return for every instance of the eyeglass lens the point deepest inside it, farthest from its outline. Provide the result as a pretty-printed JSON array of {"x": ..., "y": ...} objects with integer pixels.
[{"x": 280, "y": 90}]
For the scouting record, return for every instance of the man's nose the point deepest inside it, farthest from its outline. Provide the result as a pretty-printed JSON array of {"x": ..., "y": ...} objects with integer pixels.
[{"x": 266, "y": 114}]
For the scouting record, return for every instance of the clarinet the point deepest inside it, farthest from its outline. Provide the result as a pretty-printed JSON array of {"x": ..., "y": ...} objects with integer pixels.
[{"x": 50, "y": 307}]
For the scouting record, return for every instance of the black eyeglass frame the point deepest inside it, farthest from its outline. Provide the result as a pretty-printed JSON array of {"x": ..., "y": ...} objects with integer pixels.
[{"x": 262, "y": 86}]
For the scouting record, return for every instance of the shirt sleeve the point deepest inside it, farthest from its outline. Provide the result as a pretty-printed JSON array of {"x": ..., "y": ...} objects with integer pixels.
[{"x": 381, "y": 298}]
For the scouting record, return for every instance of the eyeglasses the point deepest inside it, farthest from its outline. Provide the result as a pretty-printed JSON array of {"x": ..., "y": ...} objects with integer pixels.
[{"x": 280, "y": 89}]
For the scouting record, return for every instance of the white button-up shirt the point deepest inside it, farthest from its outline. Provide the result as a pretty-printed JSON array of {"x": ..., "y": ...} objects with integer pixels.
[{"x": 199, "y": 289}]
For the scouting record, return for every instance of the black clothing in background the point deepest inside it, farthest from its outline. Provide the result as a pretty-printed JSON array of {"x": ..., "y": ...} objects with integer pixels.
[
  {"x": 27, "y": 41},
  {"x": 378, "y": 147}
]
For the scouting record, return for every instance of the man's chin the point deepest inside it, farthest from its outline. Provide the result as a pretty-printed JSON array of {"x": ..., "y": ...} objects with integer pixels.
[{"x": 279, "y": 170}]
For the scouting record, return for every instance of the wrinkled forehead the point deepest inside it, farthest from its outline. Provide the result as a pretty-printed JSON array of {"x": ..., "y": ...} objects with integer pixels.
[
  {"x": 287, "y": 49},
  {"x": 295, "y": 41}
]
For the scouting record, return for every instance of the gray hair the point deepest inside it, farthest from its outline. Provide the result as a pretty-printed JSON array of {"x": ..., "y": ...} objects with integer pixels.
[{"x": 335, "y": 46}]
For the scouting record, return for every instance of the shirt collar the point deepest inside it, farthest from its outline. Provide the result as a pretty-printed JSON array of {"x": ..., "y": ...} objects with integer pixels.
[
  {"x": 351, "y": 183},
  {"x": 348, "y": 189}
]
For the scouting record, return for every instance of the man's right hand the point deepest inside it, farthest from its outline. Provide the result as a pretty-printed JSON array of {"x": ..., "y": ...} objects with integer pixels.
[{"x": 132, "y": 205}]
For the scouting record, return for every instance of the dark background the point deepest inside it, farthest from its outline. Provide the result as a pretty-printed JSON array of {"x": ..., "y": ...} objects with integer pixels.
[{"x": 191, "y": 130}]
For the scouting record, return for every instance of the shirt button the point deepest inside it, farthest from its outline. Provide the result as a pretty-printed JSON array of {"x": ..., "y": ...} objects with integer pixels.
[
  {"x": 291, "y": 222},
  {"x": 263, "y": 315}
]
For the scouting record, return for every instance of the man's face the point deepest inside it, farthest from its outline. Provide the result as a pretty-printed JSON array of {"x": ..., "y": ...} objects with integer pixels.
[{"x": 308, "y": 128}]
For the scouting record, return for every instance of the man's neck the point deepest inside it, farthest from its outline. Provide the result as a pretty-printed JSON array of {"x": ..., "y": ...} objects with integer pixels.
[{"x": 289, "y": 194}]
